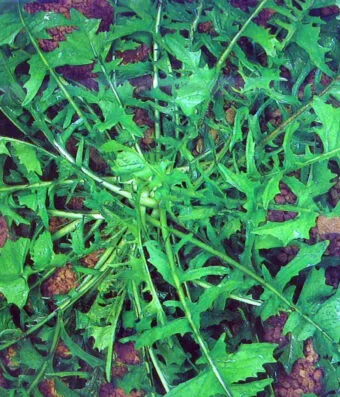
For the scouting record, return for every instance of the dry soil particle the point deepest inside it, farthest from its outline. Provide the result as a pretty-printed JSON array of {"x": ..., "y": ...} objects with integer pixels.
[
  {"x": 91, "y": 260},
  {"x": 108, "y": 390},
  {"x": 3, "y": 231},
  {"x": 140, "y": 54},
  {"x": 62, "y": 350},
  {"x": 56, "y": 223},
  {"x": 273, "y": 328},
  {"x": 60, "y": 283},
  {"x": 127, "y": 354},
  {"x": 286, "y": 196},
  {"x": 47, "y": 388},
  {"x": 304, "y": 378}
]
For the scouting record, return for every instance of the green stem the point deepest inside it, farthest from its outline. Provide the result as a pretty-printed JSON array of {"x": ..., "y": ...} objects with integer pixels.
[
  {"x": 227, "y": 51},
  {"x": 153, "y": 357},
  {"x": 155, "y": 79},
  {"x": 177, "y": 283},
  {"x": 49, "y": 357},
  {"x": 193, "y": 27}
]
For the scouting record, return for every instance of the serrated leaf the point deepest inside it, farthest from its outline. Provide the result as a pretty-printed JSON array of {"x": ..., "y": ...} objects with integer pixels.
[
  {"x": 195, "y": 90},
  {"x": 159, "y": 260},
  {"x": 149, "y": 337},
  {"x": 37, "y": 74},
  {"x": 307, "y": 36},
  {"x": 42, "y": 250},
  {"x": 308, "y": 255},
  {"x": 330, "y": 119},
  {"x": 13, "y": 281},
  {"x": 247, "y": 362},
  {"x": 196, "y": 274},
  {"x": 28, "y": 157},
  {"x": 297, "y": 228},
  {"x": 263, "y": 37}
]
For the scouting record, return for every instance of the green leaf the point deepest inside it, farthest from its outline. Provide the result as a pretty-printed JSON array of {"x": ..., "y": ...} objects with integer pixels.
[
  {"x": 28, "y": 157},
  {"x": 196, "y": 274},
  {"x": 10, "y": 27},
  {"x": 42, "y": 250},
  {"x": 195, "y": 90},
  {"x": 308, "y": 255},
  {"x": 297, "y": 228},
  {"x": 37, "y": 72},
  {"x": 263, "y": 37},
  {"x": 79, "y": 352},
  {"x": 149, "y": 337},
  {"x": 307, "y": 36},
  {"x": 13, "y": 281},
  {"x": 178, "y": 47},
  {"x": 246, "y": 363},
  {"x": 159, "y": 260},
  {"x": 330, "y": 119}
]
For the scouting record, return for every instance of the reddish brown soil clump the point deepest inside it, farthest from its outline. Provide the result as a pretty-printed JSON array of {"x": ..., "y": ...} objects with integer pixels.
[
  {"x": 206, "y": 27},
  {"x": 62, "y": 350},
  {"x": 56, "y": 223},
  {"x": 286, "y": 196},
  {"x": 140, "y": 54},
  {"x": 286, "y": 254},
  {"x": 304, "y": 378},
  {"x": 142, "y": 118},
  {"x": 273, "y": 328},
  {"x": 119, "y": 370},
  {"x": 3, "y": 231},
  {"x": 60, "y": 283},
  {"x": 108, "y": 390},
  {"x": 127, "y": 354},
  {"x": 91, "y": 260},
  {"x": 47, "y": 388}
]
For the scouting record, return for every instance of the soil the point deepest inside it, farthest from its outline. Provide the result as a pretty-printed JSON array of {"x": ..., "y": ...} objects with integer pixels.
[
  {"x": 108, "y": 390},
  {"x": 127, "y": 354},
  {"x": 3, "y": 231},
  {"x": 60, "y": 283},
  {"x": 304, "y": 378},
  {"x": 47, "y": 388},
  {"x": 273, "y": 328}
]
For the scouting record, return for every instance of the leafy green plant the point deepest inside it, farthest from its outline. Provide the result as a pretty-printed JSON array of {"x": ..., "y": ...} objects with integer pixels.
[{"x": 157, "y": 168}]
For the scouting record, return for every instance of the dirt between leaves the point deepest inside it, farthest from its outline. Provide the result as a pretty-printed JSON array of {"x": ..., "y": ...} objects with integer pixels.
[{"x": 304, "y": 378}]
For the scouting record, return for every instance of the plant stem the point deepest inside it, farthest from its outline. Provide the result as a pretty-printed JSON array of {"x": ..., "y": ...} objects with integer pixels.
[
  {"x": 49, "y": 357},
  {"x": 182, "y": 298},
  {"x": 155, "y": 79},
  {"x": 227, "y": 51},
  {"x": 193, "y": 26}
]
